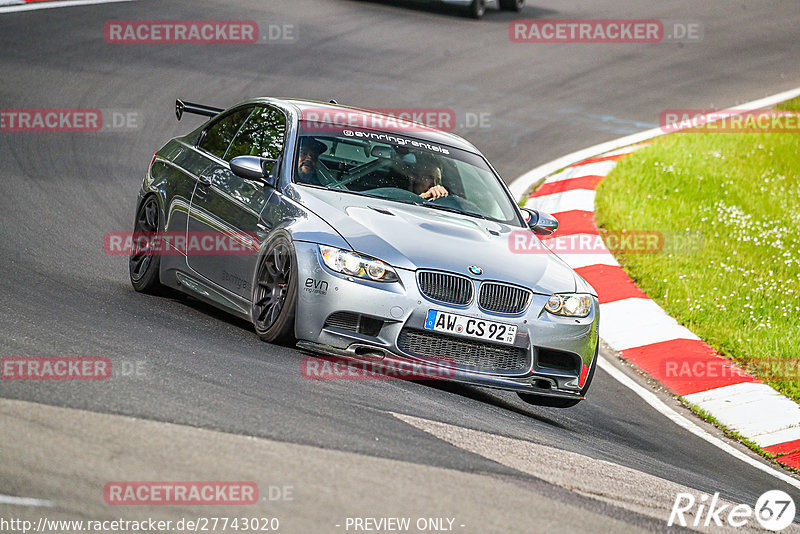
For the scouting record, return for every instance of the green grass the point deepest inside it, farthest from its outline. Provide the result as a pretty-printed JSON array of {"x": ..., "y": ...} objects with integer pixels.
[
  {"x": 790, "y": 104},
  {"x": 728, "y": 205}
]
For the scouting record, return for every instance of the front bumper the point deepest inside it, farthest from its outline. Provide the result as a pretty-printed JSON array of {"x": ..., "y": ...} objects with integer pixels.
[{"x": 553, "y": 353}]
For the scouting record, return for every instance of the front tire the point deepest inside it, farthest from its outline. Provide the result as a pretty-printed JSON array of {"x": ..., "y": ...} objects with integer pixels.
[
  {"x": 275, "y": 292},
  {"x": 144, "y": 265},
  {"x": 512, "y": 5}
]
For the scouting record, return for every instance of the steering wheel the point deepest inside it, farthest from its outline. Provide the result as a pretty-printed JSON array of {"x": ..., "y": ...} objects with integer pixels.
[
  {"x": 450, "y": 201},
  {"x": 394, "y": 193},
  {"x": 457, "y": 202}
]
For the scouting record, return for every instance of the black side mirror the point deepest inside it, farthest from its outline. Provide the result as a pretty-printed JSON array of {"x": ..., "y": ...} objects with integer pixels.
[
  {"x": 254, "y": 168},
  {"x": 540, "y": 222}
]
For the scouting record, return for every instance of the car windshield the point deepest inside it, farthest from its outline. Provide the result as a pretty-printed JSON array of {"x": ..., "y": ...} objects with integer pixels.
[{"x": 400, "y": 168}]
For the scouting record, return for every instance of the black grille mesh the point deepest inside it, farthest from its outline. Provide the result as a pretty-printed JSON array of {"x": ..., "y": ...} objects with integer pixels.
[
  {"x": 465, "y": 353},
  {"x": 343, "y": 320},
  {"x": 502, "y": 298},
  {"x": 445, "y": 287}
]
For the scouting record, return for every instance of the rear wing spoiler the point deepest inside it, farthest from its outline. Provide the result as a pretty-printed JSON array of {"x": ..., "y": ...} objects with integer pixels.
[{"x": 197, "y": 109}]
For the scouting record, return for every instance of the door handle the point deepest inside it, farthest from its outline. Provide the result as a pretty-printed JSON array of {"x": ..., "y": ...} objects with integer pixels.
[{"x": 205, "y": 180}]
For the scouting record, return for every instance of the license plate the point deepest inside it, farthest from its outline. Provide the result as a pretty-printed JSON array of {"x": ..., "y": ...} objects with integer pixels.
[{"x": 460, "y": 325}]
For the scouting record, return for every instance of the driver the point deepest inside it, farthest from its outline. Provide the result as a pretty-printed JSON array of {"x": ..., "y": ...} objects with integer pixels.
[
  {"x": 425, "y": 179},
  {"x": 307, "y": 157}
]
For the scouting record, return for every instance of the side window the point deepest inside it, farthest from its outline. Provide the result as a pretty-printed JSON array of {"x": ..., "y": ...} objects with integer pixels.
[
  {"x": 262, "y": 135},
  {"x": 219, "y": 136}
]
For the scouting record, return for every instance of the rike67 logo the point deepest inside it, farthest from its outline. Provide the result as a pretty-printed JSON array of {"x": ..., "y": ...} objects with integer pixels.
[{"x": 774, "y": 510}]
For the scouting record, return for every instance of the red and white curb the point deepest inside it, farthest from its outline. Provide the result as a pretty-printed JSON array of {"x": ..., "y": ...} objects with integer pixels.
[{"x": 641, "y": 332}]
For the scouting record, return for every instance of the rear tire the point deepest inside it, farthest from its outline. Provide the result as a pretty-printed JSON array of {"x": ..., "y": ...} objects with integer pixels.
[
  {"x": 476, "y": 9},
  {"x": 512, "y": 5},
  {"x": 275, "y": 292},
  {"x": 144, "y": 266}
]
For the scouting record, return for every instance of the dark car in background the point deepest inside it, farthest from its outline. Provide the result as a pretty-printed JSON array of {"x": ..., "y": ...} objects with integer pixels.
[{"x": 477, "y": 8}]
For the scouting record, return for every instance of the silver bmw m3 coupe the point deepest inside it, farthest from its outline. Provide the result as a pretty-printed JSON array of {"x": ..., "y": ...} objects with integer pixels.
[{"x": 361, "y": 235}]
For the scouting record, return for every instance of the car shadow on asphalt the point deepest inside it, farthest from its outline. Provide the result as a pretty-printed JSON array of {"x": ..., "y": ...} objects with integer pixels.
[
  {"x": 476, "y": 393},
  {"x": 486, "y": 396},
  {"x": 211, "y": 311}
]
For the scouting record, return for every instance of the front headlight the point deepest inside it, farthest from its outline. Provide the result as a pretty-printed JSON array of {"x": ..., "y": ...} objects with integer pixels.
[
  {"x": 353, "y": 264},
  {"x": 569, "y": 305}
]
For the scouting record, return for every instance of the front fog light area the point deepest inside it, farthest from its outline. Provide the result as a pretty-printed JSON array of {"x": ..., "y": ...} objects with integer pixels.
[
  {"x": 353, "y": 264},
  {"x": 569, "y": 305}
]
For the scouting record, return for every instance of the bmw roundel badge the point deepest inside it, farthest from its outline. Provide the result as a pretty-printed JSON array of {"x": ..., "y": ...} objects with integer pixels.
[{"x": 474, "y": 269}]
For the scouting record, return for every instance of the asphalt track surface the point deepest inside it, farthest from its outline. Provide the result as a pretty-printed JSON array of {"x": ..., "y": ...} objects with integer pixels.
[{"x": 60, "y": 294}]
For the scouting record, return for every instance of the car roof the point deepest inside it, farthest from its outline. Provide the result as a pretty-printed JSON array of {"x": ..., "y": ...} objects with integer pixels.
[{"x": 420, "y": 131}]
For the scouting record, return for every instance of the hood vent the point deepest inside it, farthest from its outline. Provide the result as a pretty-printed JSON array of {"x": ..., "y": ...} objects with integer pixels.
[{"x": 381, "y": 210}]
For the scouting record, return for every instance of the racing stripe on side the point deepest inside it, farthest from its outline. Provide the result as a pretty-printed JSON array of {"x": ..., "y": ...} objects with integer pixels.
[{"x": 644, "y": 334}]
